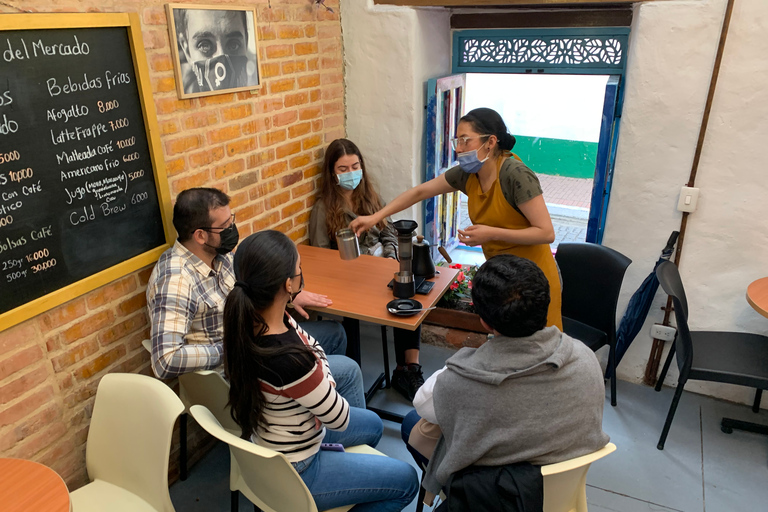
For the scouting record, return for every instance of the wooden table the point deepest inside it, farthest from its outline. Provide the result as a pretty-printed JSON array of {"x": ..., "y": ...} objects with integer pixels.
[
  {"x": 358, "y": 289},
  {"x": 26, "y": 486},
  {"x": 757, "y": 296}
]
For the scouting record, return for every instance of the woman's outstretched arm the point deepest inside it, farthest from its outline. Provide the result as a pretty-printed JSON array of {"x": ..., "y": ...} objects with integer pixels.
[{"x": 432, "y": 188}]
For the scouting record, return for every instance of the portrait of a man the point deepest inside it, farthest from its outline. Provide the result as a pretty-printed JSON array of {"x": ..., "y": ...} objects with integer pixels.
[{"x": 216, "y": 49}]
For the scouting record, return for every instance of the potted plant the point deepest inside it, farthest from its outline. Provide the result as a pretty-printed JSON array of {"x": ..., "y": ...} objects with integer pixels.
[{"x": 455, "y": 309}]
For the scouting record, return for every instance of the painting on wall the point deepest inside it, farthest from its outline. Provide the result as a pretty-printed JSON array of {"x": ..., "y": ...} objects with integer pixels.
[{"x": 216, "y": 49}]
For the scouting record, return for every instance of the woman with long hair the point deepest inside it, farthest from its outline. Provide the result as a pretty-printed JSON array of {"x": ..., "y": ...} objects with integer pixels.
[
  {"x": 346, "y": 192},
  {"x": 505, "y": 201},
  {"x": 283, "y": 395}
]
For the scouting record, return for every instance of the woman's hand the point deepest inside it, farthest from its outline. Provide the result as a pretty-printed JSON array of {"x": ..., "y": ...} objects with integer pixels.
[
  {"x": 362, "y": 224},
  {"x": 306, "y": 299},
  {"x": 477, "y": 234}
]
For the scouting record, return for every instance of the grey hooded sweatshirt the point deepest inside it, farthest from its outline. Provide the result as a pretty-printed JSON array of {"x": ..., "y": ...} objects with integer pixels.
[{"x": 537, "y": 399}]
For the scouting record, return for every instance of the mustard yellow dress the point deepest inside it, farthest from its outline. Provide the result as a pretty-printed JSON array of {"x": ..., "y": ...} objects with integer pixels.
[{"x": 492, "y": 208}]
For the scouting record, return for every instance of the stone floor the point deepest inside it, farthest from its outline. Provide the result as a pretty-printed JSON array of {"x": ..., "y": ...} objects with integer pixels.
[{"x": 700, "y": 470}]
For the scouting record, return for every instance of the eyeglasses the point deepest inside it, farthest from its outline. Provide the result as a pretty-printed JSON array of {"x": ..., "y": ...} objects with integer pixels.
[
  {"x": 462, "y": 141},
  {"x": 231, "y": 223}
]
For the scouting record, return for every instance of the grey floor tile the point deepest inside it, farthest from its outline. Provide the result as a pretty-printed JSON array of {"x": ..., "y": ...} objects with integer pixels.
[
  {"x": 599, "y": 500},
  {"x": 670, "y": 478},
  {"x": 735, "y": 465}
]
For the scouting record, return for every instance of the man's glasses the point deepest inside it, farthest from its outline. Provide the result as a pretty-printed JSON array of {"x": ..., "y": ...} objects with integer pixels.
[
  {"x": 458, "y": 142},
  {"x": 231, "y": 223}
]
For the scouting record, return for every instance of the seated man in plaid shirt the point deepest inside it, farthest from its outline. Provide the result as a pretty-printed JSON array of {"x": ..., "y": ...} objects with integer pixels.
[{"x": 188, "y": 287}]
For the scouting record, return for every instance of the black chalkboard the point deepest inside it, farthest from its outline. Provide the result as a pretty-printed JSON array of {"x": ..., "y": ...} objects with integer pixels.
[{"x": 77, "y": 181}]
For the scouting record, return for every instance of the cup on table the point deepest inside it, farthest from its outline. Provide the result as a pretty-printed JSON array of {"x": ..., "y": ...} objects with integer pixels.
[{"x": 346, "y": 240}]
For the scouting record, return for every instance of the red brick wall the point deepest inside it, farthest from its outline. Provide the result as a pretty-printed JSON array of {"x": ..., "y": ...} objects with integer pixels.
[{"x": 263, "y": 149}]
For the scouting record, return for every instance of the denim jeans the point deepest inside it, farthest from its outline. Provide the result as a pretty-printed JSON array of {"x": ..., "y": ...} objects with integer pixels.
[
  {"x": 349, "y": 379},
  {"x": 373, "y": 482}
]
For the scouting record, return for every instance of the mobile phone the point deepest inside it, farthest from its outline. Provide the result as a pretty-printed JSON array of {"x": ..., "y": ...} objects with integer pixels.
[{"x": 333, "y": 447}]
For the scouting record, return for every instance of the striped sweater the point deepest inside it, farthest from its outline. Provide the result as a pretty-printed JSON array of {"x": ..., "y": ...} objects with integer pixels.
[{"x": 300, "y": 399}]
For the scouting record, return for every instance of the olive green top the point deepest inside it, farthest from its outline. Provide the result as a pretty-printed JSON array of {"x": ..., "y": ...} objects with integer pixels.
[{"x": 518, "y": 183}]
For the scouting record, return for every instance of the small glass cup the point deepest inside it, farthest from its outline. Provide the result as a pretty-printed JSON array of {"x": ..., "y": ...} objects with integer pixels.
[{"x": 346, "y": 240}]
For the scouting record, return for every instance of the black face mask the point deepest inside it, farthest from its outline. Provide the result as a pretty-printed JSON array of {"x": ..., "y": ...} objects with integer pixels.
[
  {"x": 229, "y": 238},
  {"x": 301, "y": 287}
]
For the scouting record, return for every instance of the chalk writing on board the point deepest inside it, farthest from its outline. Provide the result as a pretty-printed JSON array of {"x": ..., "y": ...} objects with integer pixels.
[{"x": 77, "y": 191}]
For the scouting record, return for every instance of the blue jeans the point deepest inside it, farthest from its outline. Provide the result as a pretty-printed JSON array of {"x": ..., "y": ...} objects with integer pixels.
[
  {"x": 372, "y": 482},
  {"x": 409, "y": 422},
  {"x": 349, "y": 379}
]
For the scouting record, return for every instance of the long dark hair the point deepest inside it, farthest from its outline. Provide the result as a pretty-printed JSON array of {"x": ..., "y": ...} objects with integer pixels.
[
  {"x": 487, "y": 121},
  {"x": 365, "y": 200},
  {"x": 262, "y": 264}
]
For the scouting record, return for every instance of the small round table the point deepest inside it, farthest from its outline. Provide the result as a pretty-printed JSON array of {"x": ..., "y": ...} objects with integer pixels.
[
  {"x": 27, "y": 485},
  {"x": 757, "y": 295}
]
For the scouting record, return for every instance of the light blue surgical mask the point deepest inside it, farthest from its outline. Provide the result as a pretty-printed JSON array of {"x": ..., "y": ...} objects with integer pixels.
[
  {"x": 469, "y": 161},
  {"x": 350, "y": 180}
]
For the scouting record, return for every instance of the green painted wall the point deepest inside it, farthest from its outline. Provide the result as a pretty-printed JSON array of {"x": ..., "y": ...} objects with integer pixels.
[{"x": 569, "y": 158}]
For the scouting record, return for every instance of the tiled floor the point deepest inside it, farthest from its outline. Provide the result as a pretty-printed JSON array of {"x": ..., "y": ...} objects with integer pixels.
[{"x": 700, "y": 470}]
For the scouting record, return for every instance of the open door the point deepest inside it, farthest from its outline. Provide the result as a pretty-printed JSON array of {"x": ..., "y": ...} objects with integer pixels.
[
  {"x": 444, "y": 108},
  {"x": 606, "y": 158}
]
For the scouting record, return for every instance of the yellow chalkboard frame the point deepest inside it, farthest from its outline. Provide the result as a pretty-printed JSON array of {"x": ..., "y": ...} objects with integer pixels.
[{"x": 132, "y": 24}]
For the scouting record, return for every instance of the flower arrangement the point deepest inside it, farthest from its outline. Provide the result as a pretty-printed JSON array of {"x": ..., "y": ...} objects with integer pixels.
[{"x": 459, "y": 294}]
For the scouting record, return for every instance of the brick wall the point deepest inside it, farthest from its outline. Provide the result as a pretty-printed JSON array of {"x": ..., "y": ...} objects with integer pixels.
[{"x": 263, "y": 149}]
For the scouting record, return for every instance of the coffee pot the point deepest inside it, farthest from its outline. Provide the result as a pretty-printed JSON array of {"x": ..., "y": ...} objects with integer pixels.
[
  {"x": 423, "y": 266},
  {"x": 404, "y": 286}
]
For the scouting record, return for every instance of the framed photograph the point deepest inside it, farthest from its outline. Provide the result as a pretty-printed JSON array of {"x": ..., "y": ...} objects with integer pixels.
[{"x": 216, "y": 49}]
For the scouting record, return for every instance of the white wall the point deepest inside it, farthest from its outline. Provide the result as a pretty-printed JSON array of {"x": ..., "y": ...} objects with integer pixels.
[
  {"x": 389, "y": 53},
  {"x": 671, "y": 55}
]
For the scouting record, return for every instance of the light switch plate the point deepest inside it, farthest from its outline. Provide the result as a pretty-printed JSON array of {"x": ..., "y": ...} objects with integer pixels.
[{"x": 689, "y": 198}]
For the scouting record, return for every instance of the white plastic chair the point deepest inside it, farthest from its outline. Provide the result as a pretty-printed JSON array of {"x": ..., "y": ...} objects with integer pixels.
[
  {"x": 129, "y": 442},
  {"x": 565, "y": 483},
  {"x": 266, "y": 476}
]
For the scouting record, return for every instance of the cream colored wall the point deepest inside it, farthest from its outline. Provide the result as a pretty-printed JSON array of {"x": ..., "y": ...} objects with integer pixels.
[
  {"x": 672, "y": 54},
  {"x": 670, "y": 60},
  {"x": 389, "y": 53}
]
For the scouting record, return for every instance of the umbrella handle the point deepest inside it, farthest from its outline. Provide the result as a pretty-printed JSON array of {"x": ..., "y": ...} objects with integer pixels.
[{"x": 671, "y": 242}]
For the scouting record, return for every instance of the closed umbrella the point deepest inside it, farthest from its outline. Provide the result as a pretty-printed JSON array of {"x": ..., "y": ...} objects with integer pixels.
[{"x": 639, "y": 305}]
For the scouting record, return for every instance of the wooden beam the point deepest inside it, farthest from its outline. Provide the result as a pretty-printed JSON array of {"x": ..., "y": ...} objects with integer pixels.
[
  {"x": 505, "y": 3},
  {"x": 619, "y": 17}
]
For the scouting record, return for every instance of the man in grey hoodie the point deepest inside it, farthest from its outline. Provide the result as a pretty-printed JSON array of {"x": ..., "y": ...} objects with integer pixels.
[{"x": 530, "y": 394}]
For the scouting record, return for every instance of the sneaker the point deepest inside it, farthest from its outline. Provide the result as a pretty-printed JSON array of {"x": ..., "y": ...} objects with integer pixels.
[{"x": 408, "y": 380}]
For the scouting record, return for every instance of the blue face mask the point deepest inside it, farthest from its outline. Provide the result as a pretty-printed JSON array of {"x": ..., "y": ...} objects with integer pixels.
[
  {"x": 350, "y": 180},
  {"x": 469, "y": 162}
]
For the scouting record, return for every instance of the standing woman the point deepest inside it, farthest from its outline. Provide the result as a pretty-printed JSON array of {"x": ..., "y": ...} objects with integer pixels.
[
  {"x": 346, "y": 192},
  {"x": 282, "y": 392},
  {"x": 506, "y": 205}
]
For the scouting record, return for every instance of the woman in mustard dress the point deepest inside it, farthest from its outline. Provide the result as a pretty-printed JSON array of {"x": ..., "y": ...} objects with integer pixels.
[{"x": 506, "y": 205}]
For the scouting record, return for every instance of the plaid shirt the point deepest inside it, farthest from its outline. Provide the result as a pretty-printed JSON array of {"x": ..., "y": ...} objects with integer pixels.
[{"x": 185, "y": 299}]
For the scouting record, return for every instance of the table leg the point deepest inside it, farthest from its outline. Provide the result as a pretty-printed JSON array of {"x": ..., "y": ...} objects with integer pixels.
[
  {"x": 352, "y": 328},
  {"x": 728, "y": 424}
]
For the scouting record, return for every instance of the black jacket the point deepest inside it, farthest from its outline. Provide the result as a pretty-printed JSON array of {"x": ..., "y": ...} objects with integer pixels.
[{"x": 512, "y": 488}]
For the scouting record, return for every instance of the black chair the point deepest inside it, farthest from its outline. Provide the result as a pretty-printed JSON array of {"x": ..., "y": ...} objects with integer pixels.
[
  {"x": 731, "y": 357},
  {"x": 592, "y": 275}
]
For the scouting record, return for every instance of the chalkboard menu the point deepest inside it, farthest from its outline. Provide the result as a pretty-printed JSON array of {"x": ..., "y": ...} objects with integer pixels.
[{"x": 78, "y": 184}]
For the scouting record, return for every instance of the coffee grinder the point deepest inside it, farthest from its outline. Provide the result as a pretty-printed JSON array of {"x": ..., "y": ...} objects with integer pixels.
[{"x": 404, "y": 286}]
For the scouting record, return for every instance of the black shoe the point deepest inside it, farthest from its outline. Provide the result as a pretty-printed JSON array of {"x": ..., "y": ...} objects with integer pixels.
[{"x": 408, "y": 380}]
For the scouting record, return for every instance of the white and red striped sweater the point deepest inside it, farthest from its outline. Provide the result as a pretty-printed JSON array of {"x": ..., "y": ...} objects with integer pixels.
[{"x": 300, "y": 399}]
